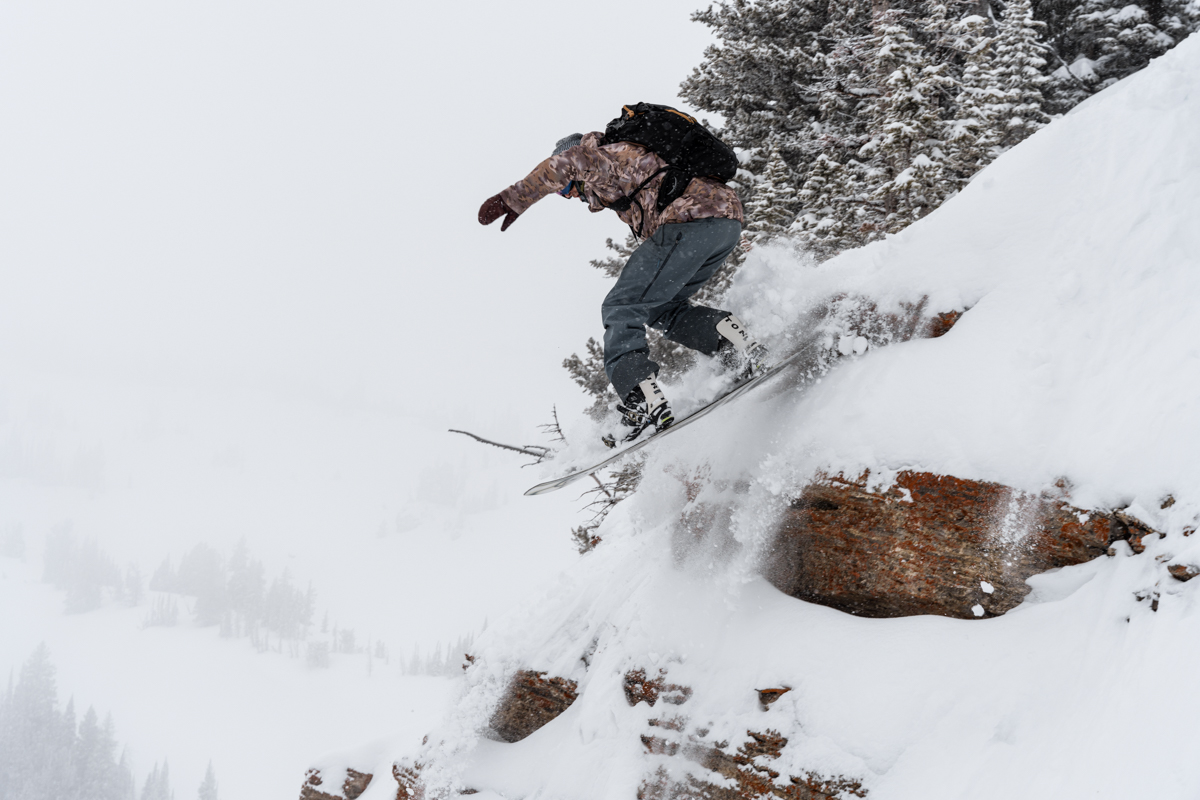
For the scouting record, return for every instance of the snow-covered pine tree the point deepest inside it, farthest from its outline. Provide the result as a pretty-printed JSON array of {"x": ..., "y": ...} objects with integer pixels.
[
  {"x": 774, "y": 204},
  {"x": 973, "y": 134},
  {"x": 827, "y": 213},
  {"x": 907, "y": 175},
  {"x": 613, "y": 264},
  {"x": 1019, "y": 73},
  {"x": 1118, "y": 37},
  {"x": 763, "y": 74}
]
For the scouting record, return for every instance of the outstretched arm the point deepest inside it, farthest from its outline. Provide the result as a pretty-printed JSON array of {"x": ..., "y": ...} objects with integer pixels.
[{"x": 584, "y": 162}]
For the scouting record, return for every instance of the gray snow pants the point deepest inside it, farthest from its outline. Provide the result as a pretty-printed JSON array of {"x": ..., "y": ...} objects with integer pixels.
[{"x": 653, "y": 290}]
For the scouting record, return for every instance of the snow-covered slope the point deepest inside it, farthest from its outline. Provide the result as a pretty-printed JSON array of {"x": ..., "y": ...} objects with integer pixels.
[{"x": 1078, "y": 255}]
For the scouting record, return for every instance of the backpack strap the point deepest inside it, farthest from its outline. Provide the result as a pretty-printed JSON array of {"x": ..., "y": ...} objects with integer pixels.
[{"x": 626, "y": 202}]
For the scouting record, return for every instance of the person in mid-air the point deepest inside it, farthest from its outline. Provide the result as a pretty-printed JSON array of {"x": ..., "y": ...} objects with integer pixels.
[{"x": 683, "y": 245}]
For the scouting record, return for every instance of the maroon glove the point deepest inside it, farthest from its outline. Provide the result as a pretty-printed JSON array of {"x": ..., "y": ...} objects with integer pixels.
[{"x": 492, "y": 209}]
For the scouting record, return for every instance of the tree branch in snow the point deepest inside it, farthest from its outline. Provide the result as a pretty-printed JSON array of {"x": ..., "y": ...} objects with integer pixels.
[
  {"x": 1067, "y": 67},
  {"x": 537, "y": 451}
]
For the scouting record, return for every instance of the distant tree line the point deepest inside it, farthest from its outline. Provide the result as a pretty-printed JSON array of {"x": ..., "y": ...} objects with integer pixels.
[
  {"x": 232, "y": 592},
  {"x": 46, "y": 755},
  {"x": 441, "y": 662}
]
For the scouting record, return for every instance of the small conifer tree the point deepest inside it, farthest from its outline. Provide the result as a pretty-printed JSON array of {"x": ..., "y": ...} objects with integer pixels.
[
  {"x": 774, "y": 206},
  {"x": 208, "y": 789}
]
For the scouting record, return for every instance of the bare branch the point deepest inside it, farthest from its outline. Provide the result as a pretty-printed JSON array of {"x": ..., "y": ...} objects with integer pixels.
[
  {"x": 1067, "y": 67},
  {"x": 601, "y": 485},
  {"x": 537, "y": 451},
  {"x": 554, "y": 429}
]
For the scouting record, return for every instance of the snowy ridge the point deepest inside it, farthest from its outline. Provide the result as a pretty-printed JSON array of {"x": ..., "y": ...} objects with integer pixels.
[{"x": 1077, "y": 256}]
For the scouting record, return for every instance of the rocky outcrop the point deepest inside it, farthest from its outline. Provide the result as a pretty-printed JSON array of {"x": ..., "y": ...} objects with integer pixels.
[
  {"x": 317, "y": 787},
  {"x": 639, "y": 688},
  {"x": 747, "y": 769},
  {"x": 932, "y": 544},
  {"x": 408, "y": 780},
  {"x": 531, "y": 701}
]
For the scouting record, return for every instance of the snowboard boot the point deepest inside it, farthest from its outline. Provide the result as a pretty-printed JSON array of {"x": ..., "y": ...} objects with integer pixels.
[
  {"x": 639, "y": 413},
  {"x": 739, "y": 353}
]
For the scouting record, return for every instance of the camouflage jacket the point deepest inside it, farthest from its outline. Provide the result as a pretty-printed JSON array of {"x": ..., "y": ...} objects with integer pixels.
[{"x": 610, "y": 173}]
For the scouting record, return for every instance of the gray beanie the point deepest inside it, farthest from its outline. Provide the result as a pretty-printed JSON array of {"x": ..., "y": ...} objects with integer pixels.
[{"x": 567, "y": 142}]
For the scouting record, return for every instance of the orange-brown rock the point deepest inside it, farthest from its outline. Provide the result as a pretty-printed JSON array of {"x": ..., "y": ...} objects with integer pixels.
[
  {"x": 1183, "y": 572},
  {"x": 353, "y": 785},
  {"x": 931, "y": 544},
  {"x": 1136, "y": 530},
  {"x": 531, "y": 701},
  {"x": 768, "y": 696}
]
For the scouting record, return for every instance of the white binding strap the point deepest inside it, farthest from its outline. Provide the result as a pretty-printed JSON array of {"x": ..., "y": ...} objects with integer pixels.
[
  {"x": 732, "y": 329},
  {"x": 654, "y": 395}
]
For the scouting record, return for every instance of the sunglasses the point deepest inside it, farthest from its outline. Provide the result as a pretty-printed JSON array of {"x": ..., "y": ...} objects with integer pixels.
[{"x": 570, "y": 187}]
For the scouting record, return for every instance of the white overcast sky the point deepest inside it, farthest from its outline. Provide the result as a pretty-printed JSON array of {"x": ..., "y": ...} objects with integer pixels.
[
  {"x": 283, "y": 194},
  {"x": 243, "y": 294}
]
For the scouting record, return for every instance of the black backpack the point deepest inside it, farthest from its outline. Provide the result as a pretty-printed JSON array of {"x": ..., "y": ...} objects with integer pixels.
[{"x": 690, "y": 149}]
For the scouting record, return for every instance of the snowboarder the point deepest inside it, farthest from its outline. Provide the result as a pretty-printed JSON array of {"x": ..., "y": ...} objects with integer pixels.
[{"x": 682, "y": 246}]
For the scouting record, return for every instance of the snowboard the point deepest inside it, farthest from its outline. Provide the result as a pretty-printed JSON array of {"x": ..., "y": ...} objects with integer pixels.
[{"x": 734, "y": 393}]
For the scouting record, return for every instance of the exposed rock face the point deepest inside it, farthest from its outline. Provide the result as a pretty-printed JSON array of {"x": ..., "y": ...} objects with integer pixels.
[
  {"x": 408, "y": 779},
  {"x": 747, "y": 767},
  {"x": 532, "y": 700},
  {"x": 931, "y": 544},
  {"x": 749, "y": 770},
  {"x": 639, "y": 689},
  {"x": 315, "y": 788}
]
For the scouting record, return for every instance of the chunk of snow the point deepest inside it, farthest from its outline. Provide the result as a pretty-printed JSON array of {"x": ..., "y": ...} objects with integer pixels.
[
  {"x": 987, "y": 587},
  {"x": 977, "y": 610}
]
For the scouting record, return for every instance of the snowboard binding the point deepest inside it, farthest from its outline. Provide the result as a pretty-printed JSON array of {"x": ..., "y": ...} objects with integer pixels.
[{"x": 644, "y": 407}]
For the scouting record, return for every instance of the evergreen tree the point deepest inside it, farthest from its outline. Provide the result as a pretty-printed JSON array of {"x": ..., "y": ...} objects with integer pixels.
[
  {"x": 158, "y": 784},
  {"x": 827, "y": 216},
  {"x": 126, "y": 787},
  {"x": 132, "y": 588},
  {"x": 1119, "y": 38},
  {"x": 43, "y": 756},
  {"x": 774, "y": 205},
  {"x": 973, "y": 134},
  {"x": 164, "y": 578},
  {"x": 1019, "y": 73},
  {"x": 764, "y": 75},
  {"x": 39, "y": 742},
  {"x": 96, "y": 770},
  {"x": 907, "y": 175},
  {"x": 247, "y": 583},
  {"x": 208, "y": 789}
]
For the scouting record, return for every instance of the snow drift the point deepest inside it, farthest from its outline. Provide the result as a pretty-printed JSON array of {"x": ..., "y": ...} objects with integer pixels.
[{"x": 1077, "y": 256}]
